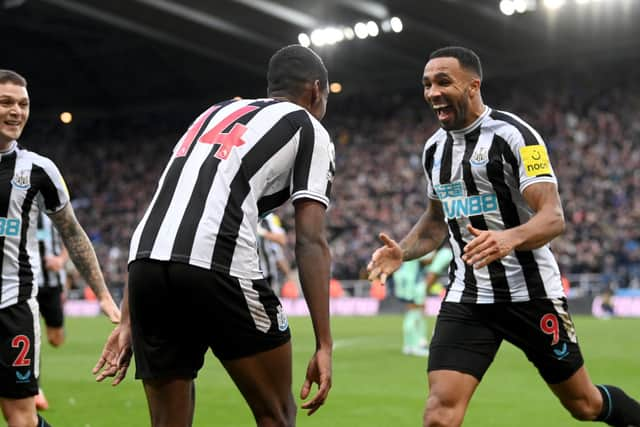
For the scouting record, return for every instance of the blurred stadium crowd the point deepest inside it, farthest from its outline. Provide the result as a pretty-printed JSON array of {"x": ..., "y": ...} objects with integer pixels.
[{"x": 589, "y": 118}]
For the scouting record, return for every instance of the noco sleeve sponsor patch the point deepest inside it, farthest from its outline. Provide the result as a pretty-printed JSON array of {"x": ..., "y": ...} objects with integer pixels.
[{"x": 535, "y": 160}]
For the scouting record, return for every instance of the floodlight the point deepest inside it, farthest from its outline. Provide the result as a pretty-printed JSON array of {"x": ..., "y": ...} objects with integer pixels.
[
  {"x": 318, "y": 37},
  {"x": 66, "y": 117},
  {"x": 361, "y": 30},
  {"x": 304, "y": 40},
  {"x": 348, "y": 33},
  {"x": 396, "y": 24},
  {"x": 507, "y": 7},
  {"x": 520, "y": 6},
  {"x": 372, "y": 29},
  {"x": 553, "y": 4}
]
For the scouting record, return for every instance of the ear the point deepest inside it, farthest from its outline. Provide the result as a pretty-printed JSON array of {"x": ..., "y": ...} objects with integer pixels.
[
  {"x": 316, "y": 92},
  {"x": 474, "y": 86}
]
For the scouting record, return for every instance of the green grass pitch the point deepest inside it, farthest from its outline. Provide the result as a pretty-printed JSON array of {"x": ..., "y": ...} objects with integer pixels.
[{"x": 374, "y": 385}]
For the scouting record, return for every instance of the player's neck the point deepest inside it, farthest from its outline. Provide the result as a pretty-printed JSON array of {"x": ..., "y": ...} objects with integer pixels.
[
  {"x": 6, "y": 146},
  {"x": 282, "y": 96},
  {"x": 477, "y": 109}
]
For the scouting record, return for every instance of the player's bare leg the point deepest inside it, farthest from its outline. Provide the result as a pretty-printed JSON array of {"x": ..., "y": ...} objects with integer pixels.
[
  {"x": 171, "y": 401},
  {"x": 449, "y": 396},
  {"x": 264, "y": 380},
  {"x": 588, "y": 402},
  {"x": 19, "y": 412},
  {"x": 55, "y": 336},
  {"x": 42, "y": 404},
  {"x": 579, "y": 396}
]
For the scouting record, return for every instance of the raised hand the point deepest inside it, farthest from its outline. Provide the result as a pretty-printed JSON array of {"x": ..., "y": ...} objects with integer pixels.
[
  {"x": 486, "y": 247},
  {"x": 385, "y": 260}
]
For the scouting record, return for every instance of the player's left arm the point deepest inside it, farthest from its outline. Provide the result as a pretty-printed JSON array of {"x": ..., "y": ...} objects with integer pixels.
[
  {"x": 84, "y": 258},
  {"x": 546, "y": 224}
]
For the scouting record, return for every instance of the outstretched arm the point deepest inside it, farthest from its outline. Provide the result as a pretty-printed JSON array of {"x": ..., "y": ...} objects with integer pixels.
[
  {"x": 84, "y": 258},
  {"x": 425, "y": 236},
  {"x": 314, "y": 264}
]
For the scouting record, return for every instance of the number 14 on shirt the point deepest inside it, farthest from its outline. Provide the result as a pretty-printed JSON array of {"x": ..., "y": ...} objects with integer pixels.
[{"x": 227, "y": 140}]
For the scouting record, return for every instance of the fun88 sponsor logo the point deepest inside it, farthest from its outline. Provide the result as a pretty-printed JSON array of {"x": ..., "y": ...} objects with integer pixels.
[
  {"x": 9, "y": 227},
  {"x": 447, "y": 191},
  {"x": 457, "y": 205}
]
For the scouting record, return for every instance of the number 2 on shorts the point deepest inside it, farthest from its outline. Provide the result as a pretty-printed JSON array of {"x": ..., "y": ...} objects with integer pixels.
[{"x": 23, "y": 342}]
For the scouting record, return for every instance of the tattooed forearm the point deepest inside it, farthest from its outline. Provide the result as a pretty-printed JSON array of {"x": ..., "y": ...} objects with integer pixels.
[
  {"x": 419, "y": 248},
  {"x": 427, "y": 235},
  {"x": 80, "y": 249}
]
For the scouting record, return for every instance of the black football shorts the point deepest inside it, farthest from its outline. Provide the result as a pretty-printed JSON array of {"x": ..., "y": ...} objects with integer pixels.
[
  {"x": 19, "y": 350},
  {"x": 179, "y": 311},
  {"x": 467, "y": 337}
]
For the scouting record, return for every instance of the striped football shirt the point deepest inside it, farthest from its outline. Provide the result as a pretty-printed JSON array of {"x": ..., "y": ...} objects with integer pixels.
[
  {"x": 479, "y": 174},
  {"x": 238, "y": 161}
]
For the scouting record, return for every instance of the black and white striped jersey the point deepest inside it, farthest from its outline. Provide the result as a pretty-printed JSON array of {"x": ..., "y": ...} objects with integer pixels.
[
  {"x": 49, "y": 244},
  {"x": 478, "y": 174},
  {"x": 28, "y": 183},
  {"x": 238, "y": 161}
]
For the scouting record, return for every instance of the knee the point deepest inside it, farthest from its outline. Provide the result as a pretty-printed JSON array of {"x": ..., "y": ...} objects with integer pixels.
[
  {"x": 442, "y": 413},
  {"x": 20, "y": 419},
  {"x": 277, "y": 415},
  {"x": 584, "y": 408}
]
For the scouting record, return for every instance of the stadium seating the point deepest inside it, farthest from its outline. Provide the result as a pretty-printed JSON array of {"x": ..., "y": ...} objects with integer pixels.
[{"x": 592, "y": 129}]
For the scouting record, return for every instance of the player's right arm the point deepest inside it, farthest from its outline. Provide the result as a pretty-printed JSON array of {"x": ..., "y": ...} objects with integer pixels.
[
  {"x": 84, "y": 258},
  {"x": 314, "y": 265},
  {"x": 425, "y": 236}
]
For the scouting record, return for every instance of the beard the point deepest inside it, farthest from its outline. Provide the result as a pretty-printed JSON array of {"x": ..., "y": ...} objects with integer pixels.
[{"x": 459, "y": 113}]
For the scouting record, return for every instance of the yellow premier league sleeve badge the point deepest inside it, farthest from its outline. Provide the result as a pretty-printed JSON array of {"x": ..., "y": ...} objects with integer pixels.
[{"x": 535, "y": 160}]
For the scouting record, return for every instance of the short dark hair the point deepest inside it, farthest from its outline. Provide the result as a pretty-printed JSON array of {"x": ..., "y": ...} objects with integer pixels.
[
  {"x": 293, "y": 66},
  {"x": 468, "y": 59},
  {"x": 8, "y": 76}
]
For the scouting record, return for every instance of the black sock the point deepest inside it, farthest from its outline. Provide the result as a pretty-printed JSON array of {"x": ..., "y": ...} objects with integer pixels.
[
  {"x": 42, "y": 422},
  {"x": 618, "y": 409}
]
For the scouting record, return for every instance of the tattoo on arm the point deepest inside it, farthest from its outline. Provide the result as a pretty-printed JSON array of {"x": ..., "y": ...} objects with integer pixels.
[
  {"x": 427, "y": 235},
  {"x": 80, "y": 249}
]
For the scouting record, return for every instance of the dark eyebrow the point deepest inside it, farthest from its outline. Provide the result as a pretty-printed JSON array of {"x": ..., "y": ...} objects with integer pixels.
[
  {"x": 442, "y": 75},
  {"x": 437, "y": 76},
  {"x": 11, "y": 98}
]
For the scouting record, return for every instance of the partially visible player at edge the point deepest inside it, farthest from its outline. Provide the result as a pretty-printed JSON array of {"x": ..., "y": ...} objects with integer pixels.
[
  {"x": 194, "y": 276},
  {"x": 490, "y": 181},
  {"x": 271, "y": 242},
  {"x": 30, "y": 183},
  {"x": 51, "y": 287}
]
